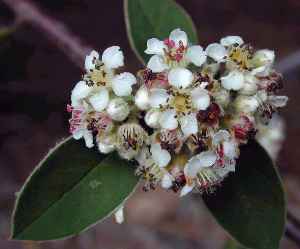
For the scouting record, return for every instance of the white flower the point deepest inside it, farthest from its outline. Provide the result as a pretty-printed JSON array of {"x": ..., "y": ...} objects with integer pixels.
[
  {"x": 250, "y": 85},
  {"x": 262, "y": 62},
  {"x": 167, "y": 181},
  {"x": 79, "y": 92},
  {"x": 222, "y": 97},
  {"x": 168, "y": 120},
  {"x": 119, "y": 215},
  {"x": 196, "y": 163},
  {"x": 271, "y": 136},
  {"x": 231, "y": 40},
  {"x": 217, "y": 52},
  {"x": 158, "y": 97},
  {"x": 100, "y": 99},
  {"x": 118, "y": 109},
  {"x": 91, "y": 60},
  {"x": 141, "y": 98},
  {"x": 177, "y": 36},
  {"x": 155, "y": 46},
  {"x": 106, "y": 144},
  {"x": 180, "y": 77},
  {"x": 246, "y": 104},
  {"x": 189, "y": 124},
  {"x": 152, "y": 118},
  {"x": 130, "y": 140},
  {"x": 200, "y": 98},
  {"x": 173, "y": 52},
  {"x": 226, "y": 148},
  {"x": 160, "y": 156},
  {"x": 157, "y": 64},
  {"x": 122, "y": 84},
  {"x": 113, "y": 57},
  {"x": 233, "y": 81},
  {"x": 196, "y": 55}
]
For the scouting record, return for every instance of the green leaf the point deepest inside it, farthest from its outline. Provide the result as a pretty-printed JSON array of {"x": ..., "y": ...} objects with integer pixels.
[
  {"x": 231, "y": 244},
  {"x": 147, "y": 19},
  {"x": 250, "y": 204},
  {"x": 72, "y": 189}
]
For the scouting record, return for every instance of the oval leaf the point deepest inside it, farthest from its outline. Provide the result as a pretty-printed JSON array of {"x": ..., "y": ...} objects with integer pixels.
[
  {"x": 71, "y": 189},
  {"x": 154, "y": 19},
  {"x": 250, "y": 204},
  {"x": 231, "y": 244}
]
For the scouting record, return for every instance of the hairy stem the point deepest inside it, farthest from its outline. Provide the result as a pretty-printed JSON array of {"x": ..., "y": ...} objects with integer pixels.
[{"x": 27, "y": 12}]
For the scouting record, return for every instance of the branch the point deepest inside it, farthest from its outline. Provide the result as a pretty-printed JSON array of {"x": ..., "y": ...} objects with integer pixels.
[
  {"x": 27, "y": 12},
  {"x": 292, "y": 231}
]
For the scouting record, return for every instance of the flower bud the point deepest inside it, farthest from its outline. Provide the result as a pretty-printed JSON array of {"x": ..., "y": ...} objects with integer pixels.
[
  {"x": 152, "y": 118},
  {"x": 118, "y": 109},
  {"x": 142, "y": 98}
]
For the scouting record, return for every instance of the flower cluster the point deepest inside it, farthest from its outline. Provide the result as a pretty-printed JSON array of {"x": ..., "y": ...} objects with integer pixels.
[{"x": 184, "y": 116}]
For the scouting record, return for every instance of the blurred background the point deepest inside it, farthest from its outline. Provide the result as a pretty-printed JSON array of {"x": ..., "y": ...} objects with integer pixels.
[{"x": 35, "y": 83}]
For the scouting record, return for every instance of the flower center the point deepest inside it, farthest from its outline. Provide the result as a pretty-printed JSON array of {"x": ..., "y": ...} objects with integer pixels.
[
  {"x": 181, "y": 102},
  {"x": 96, "y": 76},
  {"x": 241, "y": 56}
]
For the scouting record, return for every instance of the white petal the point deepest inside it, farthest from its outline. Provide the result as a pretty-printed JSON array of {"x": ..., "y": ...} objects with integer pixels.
[
  {"x": 142, "y": 98},
  {"x": 186, "y": 189},
  {"x": 106, "y": 148},
  {"x": 196, "y": 55},
  {"x": 250, "y": 85},
  {"x": 157, "y": 64},
  {"x": 200, "y": 98},
  {"x": 167, "y": 181},
  {"x": 161, "y": 157},
  {"x": 113, "y": 57},
  {"x": 118, "y": 109},
  {"x": 178, "y": 35},
  {"x": 230, "y": 149},
  {"x": 220, "y": 136},
  {"x": 231, "y": 40},
  {"x": 180, "y": 77},
  {"x": 158, "y": 97},
  {"x": 88, "y": 138},
  {"x": 189, "y": 124},
  {"x": 207, "y": 158},
  {"x": 278, "y": 101},
  {"x": 263, "y": 57},
  {"x": 216, "y": 51},
  {"x": 119, "y": 215},
  {"x": 168, "y": 121},
  {"x": 233, "y": 81},
  {"x": 246, "y": 104},
  {"x": 196, "y": 163},
  {"x": 155, "y": 46},
  {"x": 90, "y": 60},
  {"x": 78, "y": 134},
  {"x": 80, "y": 91},
  {"x": 100, "y": 100},
  {"x": 152, "y": 118},
  {"x": 122, "y": 84}
]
